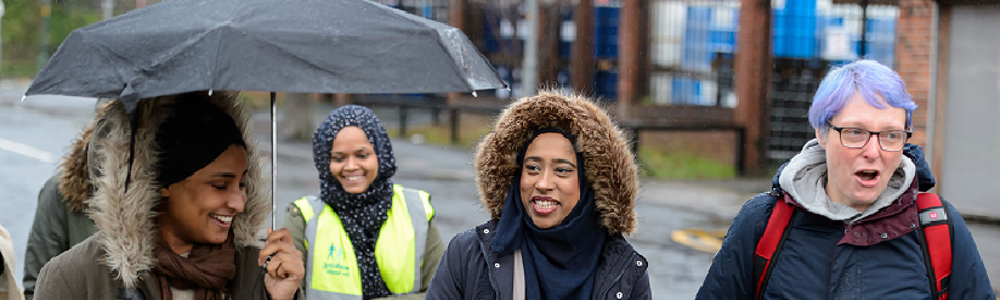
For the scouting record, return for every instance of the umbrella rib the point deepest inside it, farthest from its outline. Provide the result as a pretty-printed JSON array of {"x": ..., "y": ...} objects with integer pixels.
[
  {"x": 218, "y": 47},
  {"x": 106, "y": 52},
  {"x": 218, "y": 53},
  {"x": 455, "y": 66},
  {"x": 413, "y": 19},
  {"x": 290, "y": 54}
]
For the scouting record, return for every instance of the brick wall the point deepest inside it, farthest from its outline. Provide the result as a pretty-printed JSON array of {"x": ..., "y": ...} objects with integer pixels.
[{"x": 913, "y": 57}]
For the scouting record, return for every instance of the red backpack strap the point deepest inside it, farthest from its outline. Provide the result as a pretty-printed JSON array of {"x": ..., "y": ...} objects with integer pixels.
[
  {"x": 935, "y": 237},
  {"x": 770, "y": 244}
]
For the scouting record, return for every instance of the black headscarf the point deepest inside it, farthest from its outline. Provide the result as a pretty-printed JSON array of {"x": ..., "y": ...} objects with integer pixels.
[
  {"x": 361, "y": 214},
  {"x": 195, "y": 134},
  {"x": 559, "y": 262}
]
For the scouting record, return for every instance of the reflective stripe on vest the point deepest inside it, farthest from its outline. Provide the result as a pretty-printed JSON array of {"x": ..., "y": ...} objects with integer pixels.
[{"x": 332, "y": 271}]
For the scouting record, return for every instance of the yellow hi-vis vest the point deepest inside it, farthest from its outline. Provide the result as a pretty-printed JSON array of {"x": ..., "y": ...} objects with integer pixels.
[{"x": 332, "y": 267}]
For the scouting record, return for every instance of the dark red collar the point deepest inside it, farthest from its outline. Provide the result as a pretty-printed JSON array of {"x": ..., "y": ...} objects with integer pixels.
[{"x": 890, "y": 222}]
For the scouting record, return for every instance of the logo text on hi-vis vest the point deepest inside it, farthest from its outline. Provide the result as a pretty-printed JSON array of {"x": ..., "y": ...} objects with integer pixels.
[
  {"x": 933, "y": 215},
  {"x": 333, "y": 264}
]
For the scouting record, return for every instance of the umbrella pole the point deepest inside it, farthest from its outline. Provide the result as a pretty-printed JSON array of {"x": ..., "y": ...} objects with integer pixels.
[{"x": 274, "y": 153}]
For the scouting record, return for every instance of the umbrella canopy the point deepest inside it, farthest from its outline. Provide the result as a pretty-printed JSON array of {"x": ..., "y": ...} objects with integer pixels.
[
  {"x": 305, "y": 46},
  {"x": 317, "y": 46}
]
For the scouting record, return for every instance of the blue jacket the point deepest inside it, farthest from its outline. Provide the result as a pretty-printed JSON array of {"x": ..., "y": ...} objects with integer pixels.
[
  {"x": 817, "y": 263},
  {"x": 471, "y": 270}
]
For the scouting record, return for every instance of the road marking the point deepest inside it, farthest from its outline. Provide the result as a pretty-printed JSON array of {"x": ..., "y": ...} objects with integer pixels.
[
  {"x": 704, "y": 240},
  {"x": 26, "y": 150}
]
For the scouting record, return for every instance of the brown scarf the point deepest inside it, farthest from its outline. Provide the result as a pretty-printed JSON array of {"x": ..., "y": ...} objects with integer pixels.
[{"x": 208, "y": 269}]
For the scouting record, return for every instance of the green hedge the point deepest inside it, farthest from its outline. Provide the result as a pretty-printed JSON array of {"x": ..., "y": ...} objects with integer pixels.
[{"x": 21, "y": 26}]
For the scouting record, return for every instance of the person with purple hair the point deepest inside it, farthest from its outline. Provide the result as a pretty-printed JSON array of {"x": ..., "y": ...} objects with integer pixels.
[{"x": 854, "y": 231}]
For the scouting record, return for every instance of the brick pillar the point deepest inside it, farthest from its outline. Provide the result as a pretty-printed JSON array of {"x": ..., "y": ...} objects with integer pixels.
[
  {"x": 913, "y": 59},
  {"x": 941, "y": 90},
  {"x": 456, "y": 14},
  {"x": 456, "y": 18},
  {"x": 549, "y": 62},
  {"x": 643, "y": 52},
  {"x": 753, "y": 81},
  {"x": 581, "y": 66},
  {"x": 628, "y": 57}
]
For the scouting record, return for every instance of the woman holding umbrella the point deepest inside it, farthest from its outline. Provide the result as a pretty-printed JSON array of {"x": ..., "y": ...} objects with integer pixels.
[
  {"x": 183, "y": 223},
  {"x": 560, "y": 182},
  {"x": 364, "y": 237}
]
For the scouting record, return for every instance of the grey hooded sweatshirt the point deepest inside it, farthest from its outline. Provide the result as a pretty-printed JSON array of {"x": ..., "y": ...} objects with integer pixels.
[{"x": 805, "y": 177}]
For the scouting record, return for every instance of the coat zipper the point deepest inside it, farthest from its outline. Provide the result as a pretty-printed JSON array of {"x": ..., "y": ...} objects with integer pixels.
[
  {"x": 486, "y": 257},
  {"x": 623, "y": 266}
]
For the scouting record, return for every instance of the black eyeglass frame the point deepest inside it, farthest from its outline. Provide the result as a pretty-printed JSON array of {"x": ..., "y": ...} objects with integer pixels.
[{"x": 909, "y": 134}]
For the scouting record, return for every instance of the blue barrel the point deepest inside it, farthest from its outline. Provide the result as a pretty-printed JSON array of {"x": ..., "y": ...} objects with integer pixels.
[
  {"x": 492, "y": 42},
  {"x": 606, "y": 85},
  {"x": 696, "y": 51},
  {"x": 606, "y": 31},
  {"x": 685, "y": 91},
  {"x": 794, "y": 30}
]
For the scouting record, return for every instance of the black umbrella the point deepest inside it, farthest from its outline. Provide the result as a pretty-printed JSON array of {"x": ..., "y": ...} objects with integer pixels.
[{"x": 308, "y": 46}]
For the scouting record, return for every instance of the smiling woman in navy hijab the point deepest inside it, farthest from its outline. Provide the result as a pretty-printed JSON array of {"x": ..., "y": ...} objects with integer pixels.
[
  {"x": 363, "y": 236},
  {"x": 559, "y": 182}
]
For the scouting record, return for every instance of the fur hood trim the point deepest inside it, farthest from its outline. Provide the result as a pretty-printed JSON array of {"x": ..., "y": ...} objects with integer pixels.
[
  {"x": 126, "y": 229},
  {"x": 74, "y": 174},
  {"x": 74, "y": 181},
  {"x": 610, "y": 164}
]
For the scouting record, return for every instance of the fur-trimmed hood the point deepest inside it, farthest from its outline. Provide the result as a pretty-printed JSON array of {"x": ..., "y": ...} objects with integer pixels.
[
  {"x": 611, "y": 168},
  {"x": 125, "y": 223},
  {"x": 74, "y": 181},
  {"x": 73, "y": 172}
]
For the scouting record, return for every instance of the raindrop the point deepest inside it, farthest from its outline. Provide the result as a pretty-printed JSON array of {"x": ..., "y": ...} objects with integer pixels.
[
  {"x": 474, "y": 94},
  {"x": 209, "y": 92}
]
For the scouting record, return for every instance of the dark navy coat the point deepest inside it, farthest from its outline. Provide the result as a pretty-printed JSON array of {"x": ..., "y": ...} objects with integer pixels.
[
  {"x": 875, "y": 258},
  {"x": 471, "y": 270}
]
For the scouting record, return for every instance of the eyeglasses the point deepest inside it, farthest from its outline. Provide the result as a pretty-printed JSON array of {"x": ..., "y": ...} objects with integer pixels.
[{"x": 889, "y": 140}]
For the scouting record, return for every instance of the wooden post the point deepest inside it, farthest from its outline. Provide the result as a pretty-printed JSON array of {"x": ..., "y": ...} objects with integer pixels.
[
  {"x": 628, "y": 57},
  {"x": 454, "y": 125},
  {"x": 581, "y": 66},
  {"x": 403, "y": 112},
  {"x": 753, "y": 81}
]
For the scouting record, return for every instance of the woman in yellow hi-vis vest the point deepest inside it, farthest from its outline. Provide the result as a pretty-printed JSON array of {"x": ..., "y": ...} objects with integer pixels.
[{"x": 363, "y": 236}]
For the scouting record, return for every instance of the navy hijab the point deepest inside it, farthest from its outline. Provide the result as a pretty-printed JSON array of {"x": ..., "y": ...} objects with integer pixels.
[
  {"x": 559, "y": 262},
  {"x": 362, "y": 215}
]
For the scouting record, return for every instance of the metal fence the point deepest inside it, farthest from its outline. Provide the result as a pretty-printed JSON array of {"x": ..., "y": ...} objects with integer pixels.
[
  {"x": 691, "y": 42},
  {"x": 691, "y": 46},
  {"x": 803, "y": 57}
]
